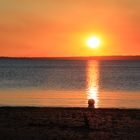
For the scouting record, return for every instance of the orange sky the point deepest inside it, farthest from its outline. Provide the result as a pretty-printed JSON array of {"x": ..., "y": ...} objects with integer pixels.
[{"x": 60, "y": 27}]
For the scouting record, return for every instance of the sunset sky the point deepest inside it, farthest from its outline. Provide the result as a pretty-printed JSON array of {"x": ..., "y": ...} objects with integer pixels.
[{"x": 48, "y": 28}]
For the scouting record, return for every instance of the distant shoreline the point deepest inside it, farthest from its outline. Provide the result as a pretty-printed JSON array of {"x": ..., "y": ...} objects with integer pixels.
[{"x": 79, "y": 58}]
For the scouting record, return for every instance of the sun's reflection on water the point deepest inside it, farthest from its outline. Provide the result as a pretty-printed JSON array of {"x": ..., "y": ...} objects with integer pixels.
[{"x": 92, "y": 81}]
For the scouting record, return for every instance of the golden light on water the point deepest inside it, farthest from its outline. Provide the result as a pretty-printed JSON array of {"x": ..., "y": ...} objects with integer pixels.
[{"x": 92, "y": 81}]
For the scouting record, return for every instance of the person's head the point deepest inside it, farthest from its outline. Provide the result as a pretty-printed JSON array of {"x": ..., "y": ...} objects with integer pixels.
[{"x": 91, "y": 103}]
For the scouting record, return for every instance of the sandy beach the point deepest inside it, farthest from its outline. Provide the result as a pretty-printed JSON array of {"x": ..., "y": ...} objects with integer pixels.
[{"x": 31, "y": 123}]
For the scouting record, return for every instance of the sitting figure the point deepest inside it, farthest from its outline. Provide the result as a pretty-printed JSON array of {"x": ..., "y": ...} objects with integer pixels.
[{"x": 91, "y": 103}]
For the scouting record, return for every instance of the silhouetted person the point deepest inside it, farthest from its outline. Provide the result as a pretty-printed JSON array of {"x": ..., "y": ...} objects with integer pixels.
[
  {"x": 91, "y": 103},
  {"x": 86, "y": 121}
]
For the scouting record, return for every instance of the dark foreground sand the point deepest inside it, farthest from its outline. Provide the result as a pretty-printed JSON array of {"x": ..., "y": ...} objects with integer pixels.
[{"x": 24, "y": 123}]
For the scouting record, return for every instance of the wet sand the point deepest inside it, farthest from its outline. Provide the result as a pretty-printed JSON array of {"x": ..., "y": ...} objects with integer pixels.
[{"x": 31, "y": 123}]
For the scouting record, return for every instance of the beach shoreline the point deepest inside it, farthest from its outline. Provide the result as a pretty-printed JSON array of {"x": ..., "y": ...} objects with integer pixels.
[{"x": 58, "y": 123}]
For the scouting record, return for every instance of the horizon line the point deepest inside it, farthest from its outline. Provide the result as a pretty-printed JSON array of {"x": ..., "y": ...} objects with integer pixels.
[{"x": 107, "y": 57}]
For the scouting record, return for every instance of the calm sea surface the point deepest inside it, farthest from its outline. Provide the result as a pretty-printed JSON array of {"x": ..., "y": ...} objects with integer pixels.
[{"x": 28, "y": 82}]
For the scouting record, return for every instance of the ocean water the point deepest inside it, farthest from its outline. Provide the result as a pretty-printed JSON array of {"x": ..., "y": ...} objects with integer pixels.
[{"x": 69, "y": 83}]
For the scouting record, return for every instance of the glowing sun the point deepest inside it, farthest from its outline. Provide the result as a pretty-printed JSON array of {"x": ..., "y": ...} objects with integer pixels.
[{"x": 93, "y": 42}]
